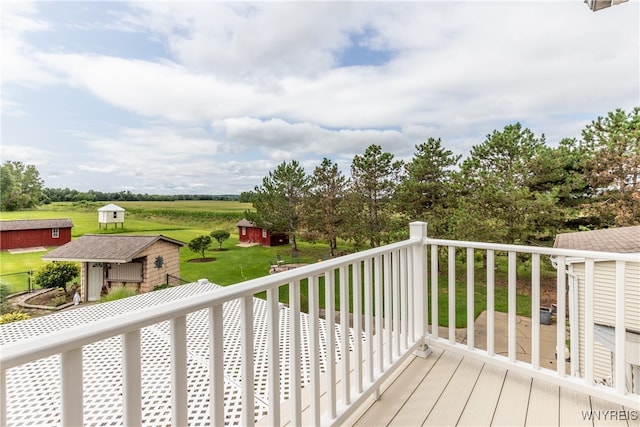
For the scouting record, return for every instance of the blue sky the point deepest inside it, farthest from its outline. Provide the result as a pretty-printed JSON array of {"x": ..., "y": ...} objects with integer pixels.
[{"x": 208, "y": 97}]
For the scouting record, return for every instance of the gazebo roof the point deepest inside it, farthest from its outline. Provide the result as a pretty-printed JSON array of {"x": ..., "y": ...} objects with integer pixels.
[{"x": 31, "y": 389}]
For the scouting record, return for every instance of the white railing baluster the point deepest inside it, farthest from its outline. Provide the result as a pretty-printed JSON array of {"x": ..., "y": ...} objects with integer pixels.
[
  {"x": 71, "y": 367},
  {"x": 471, "y": 318},
  {"x": 247, "y": 370},
  {"x": 452, "y": 293},
  {"x": 314, "y": 341},
  {"x": 330, "y": 302},
  {"x": 535, "y": 311},
  {"x": 491, "y": 273},
  {"x": 620, "y": 367},
  {"x": 179, "y": 388},
  {"x": 3, "y": 397},
  {"x": 388, "y": 311},
  {"x": 588, "y": 320},
  {"x": 561, "y": 315},
  {"x": 294, "y": 351},
  {"x": 357, "y": 324},
  {"x": 434, "y": 291},
  {"x": 273, "y": 343},
  {"x": 395, "y": 277},
  {"x": 131, "y": 379},
  {"x": 404, "y": 295},
  {"x": 378, "y": 312},
  {"x": 368, "y": 317},
  {"x": 216, "y": 365},
  {"x": 344, "y": 333},
  {"x": 511, "y": 329}
]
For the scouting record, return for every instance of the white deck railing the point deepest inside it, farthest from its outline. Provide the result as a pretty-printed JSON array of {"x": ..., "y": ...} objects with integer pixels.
[{"x": 387, "y": 285}]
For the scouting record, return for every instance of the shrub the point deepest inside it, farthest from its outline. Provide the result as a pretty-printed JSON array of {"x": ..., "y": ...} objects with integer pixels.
[
  {"x": 118, "y": 293},
  {"x": 220, "y": 236},
  {"x": 57, "y": 274},
  {"x": 13, "y": 317}
]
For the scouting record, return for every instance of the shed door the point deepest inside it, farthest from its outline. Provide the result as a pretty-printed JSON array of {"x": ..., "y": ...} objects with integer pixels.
[{"x": 95, "y": 281}]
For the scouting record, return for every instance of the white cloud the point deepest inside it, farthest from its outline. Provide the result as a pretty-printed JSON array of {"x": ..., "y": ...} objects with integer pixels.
[{"x": 245, "y": 87}]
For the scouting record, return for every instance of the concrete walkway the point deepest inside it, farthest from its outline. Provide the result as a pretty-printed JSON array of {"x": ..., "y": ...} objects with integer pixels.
[{"x": 501, "y": 342}]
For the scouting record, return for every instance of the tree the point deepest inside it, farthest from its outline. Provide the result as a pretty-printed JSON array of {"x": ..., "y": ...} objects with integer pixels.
[
  {"x": 374, "y": 177},
  {"x": 57, "y": 274},
  {"x": 323, "y": 212},
  {"x": 611, "y": 147},
  {"x": 220, "y": 236},
  {"x": 200, "y": 244},
  {"x": 20, "y": 186},
  {"x": 426, "y": 191},
  {"x": 496, "y": 197},
  {"x": 278, "y": 202}
]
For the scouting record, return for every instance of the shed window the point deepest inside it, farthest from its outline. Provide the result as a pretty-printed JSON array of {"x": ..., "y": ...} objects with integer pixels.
[
  {"x": 244, "y": 231},
  {"x": 55, "y": 233},
  {"x": 115, "y": 215},
  {"x": 264, "y": 233}
]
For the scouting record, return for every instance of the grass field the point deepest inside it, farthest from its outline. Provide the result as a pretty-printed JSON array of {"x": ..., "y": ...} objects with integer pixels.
[{"x": 185, "y": 220}]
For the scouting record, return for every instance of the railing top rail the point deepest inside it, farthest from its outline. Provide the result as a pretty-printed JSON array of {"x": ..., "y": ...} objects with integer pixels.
[
  {"x": 45, "y": 345},
  {"x": 573, "y": 253}
]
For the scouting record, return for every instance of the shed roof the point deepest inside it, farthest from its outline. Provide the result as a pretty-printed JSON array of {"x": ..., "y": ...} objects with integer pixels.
[
  {"x": 35, "y": 224},
  {"x": 245, "y": 223},
  {"x": 105, "y": 248},
  {"x": 621, "y": 240},
  {"x": 110, "y": 208}
]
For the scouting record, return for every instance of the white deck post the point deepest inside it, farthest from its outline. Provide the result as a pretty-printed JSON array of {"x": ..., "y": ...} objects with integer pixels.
[
  {"x": 71, "y": 412},
  {"x": 418, "y": 230},
  {"x": 132, "y": 379}
]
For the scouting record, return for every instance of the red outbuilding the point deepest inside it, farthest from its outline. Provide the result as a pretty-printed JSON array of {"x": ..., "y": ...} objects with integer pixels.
[
  {"x": 32, "y": 233},
  {"x": 248, "y": 232}
]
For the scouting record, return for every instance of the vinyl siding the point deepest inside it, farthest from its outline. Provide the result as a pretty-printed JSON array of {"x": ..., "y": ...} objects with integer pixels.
[{"x": 604, "y": 308}]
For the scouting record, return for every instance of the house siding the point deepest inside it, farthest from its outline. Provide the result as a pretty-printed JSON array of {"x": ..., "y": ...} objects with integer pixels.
[
  {"x": 604, "y": 308},
  {"x": 17, "y": 239}
]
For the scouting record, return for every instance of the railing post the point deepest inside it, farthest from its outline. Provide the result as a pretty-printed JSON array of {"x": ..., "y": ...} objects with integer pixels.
[{"x": 418, "y": 231}]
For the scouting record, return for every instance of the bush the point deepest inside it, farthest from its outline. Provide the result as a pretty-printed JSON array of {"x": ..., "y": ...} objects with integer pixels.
[
  {"x": 56, "y": 274},
  {"x": 118, "y": 293},
  {"x": 13, "y": 317}
]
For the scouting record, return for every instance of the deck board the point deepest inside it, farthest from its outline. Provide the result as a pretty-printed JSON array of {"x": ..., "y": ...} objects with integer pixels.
[
  {"x": 449, "y": 389},
  {"x": 424, "y": 397},
  {"x": 392, "y": 399},
  {"x": 482, "y": 402},
  {"x": 514, "y": 401},
  {"x": 544, "y": 404},
  {"x": 452, "y": 401}
]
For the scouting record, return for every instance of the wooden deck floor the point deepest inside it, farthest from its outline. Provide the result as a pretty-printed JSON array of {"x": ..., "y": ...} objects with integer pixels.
[{"x": 447, "y": 389}]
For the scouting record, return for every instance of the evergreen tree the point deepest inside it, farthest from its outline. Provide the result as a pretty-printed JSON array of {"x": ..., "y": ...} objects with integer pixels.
[
  {"x": 278, "y": 201},
  {"x": 374, "y": 178},
  {"x": 323, "y": 212}
]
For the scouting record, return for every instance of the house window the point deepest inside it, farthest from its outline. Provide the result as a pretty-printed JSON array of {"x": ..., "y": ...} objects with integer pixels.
[
  {"x": 264, "y": 233},
  {"x": 55, "y": 233},
  {"x": 244, "y": 231}
]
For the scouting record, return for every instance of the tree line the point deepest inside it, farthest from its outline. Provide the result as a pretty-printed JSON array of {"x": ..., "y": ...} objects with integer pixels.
[
  {"x": 22, "y": 188},
  {"x": 512, "y": 188}
]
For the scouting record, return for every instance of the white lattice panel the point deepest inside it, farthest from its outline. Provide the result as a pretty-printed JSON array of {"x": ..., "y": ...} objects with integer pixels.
[{"x": 33, "y": 390}]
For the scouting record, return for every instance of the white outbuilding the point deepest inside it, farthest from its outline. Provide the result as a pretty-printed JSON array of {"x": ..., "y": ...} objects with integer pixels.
[{"x": 111, "y": 214}]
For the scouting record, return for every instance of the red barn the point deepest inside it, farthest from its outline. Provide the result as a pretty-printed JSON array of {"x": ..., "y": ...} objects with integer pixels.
[
  {"x": 31, "y": 233},
  {"x": 249, "y": 233}
]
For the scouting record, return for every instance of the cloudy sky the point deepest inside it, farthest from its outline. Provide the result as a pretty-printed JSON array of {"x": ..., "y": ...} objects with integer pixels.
[{"x": 208, "y": 97}]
